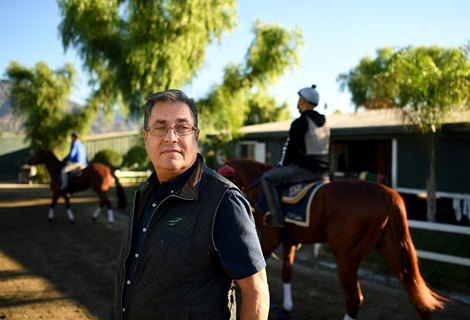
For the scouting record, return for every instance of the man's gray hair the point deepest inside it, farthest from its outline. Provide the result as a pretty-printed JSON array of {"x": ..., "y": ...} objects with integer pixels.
[{"x": 172, "y": 95}]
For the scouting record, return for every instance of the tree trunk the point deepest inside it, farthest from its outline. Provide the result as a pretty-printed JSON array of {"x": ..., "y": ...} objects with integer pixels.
[{"x": 431, "y": 181}]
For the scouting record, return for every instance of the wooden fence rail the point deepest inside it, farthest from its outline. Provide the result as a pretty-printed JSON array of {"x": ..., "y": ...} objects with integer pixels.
[{"x": 441, "y": 227}]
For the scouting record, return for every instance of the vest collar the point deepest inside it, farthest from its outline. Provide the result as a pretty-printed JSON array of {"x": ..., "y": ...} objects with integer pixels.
[{"x": 190, "y": 189}]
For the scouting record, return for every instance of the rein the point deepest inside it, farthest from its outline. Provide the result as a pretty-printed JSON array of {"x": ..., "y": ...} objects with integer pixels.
[{"x": 253, "y": 185}]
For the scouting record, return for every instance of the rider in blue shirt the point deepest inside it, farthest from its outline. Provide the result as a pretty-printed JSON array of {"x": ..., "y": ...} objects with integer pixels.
[{"x": 76, "y": 159}]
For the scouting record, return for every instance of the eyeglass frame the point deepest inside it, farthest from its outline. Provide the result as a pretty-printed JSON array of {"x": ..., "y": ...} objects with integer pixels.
[{"x": 191, "y": 127}]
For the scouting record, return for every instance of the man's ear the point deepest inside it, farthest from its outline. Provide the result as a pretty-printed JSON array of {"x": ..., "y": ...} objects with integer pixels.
[{"x": 146, "y": 135}]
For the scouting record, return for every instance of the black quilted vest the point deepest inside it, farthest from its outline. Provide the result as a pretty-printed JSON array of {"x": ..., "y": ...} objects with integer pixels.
[{"x": 179, "y": 275}]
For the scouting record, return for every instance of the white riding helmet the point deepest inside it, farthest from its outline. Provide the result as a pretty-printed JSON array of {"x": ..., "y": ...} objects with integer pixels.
[{"x": 310, "y": 95}]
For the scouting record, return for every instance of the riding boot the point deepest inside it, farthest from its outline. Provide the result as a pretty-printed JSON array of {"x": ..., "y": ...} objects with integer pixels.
[
  {"x": 273, "y": 218},
  {"x": 278, "y": 220}
]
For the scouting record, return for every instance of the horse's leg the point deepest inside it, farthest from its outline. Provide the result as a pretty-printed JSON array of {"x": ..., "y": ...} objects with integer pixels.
[
  {"x": 104, "y": 201},
  {"x": 96, "y": 214},
  {"x": 347, "y": 272},
  {"x": 55, "y": 197},
  {"x": 317, "y": 249},
  {"x": 288, "y": 257},
  {"x": 69, "y": 211},
  {"x": 110, "y": 215}
]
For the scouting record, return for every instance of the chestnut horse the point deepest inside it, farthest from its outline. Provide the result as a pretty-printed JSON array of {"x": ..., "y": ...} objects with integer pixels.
[
  {"x": 355, "y": 217},
  {"x": 96, "y": 176}
]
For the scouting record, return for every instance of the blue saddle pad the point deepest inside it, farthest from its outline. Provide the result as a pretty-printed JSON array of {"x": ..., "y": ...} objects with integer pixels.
[{"x": 296, "y": 201}]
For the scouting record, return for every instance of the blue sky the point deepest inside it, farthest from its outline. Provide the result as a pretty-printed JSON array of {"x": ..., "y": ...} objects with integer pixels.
[{"x": 337, "y": 35}]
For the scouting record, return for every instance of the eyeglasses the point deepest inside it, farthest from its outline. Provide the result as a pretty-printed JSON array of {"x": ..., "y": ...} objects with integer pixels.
[{"x": 179, "y": 129}]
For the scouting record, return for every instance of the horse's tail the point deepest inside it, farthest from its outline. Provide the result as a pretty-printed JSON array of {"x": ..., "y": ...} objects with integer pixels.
[
  {"x": 121, "y": 195},
  {"x": 397, "y": 248}
]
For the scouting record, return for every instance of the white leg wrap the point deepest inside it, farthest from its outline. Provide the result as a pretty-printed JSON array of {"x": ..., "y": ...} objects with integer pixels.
[
  {"x": 96, "y": 213},
  {"x": 346, "y": 317},
  {"x": 316, "y": 250},
  {"x": 50, "y": 216},
  {"x": 70, "y": 214},
  {"x": 110, "y": 216},
  {"x": 287, "y": 304}
]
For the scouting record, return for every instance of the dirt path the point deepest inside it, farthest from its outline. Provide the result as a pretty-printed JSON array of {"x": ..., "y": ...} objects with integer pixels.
[{"x": 59, "y": 271}]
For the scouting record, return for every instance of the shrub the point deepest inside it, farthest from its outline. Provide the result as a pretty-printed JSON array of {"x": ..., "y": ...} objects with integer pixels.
[
  {"x": 108, "y": 157},
  {"x": 136, "y": 158},
  {"x": 42, "y": 175}
]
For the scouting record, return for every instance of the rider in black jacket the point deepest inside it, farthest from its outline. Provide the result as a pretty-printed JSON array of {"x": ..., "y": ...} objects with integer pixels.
[{"x": 305, "y": 155}]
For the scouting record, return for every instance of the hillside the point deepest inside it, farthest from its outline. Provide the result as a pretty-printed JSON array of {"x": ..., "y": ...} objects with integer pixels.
[{"x": 102, "y": 124}]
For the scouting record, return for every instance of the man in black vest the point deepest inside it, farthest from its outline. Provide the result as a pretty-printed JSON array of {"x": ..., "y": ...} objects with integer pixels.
[
  {"x": 305, "y": 156},
  {"x": 191, "y": 233}
]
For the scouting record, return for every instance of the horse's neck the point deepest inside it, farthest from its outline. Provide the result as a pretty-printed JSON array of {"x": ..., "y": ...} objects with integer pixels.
[
  {"x": 53, "y": 165},
  {"x": 252, "y": 176}
]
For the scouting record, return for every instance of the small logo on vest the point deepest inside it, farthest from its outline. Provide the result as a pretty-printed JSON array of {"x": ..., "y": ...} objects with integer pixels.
[{"x": 179, "y": 225}]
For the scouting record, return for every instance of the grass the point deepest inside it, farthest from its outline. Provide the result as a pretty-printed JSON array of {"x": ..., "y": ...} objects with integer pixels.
[{"x": 441, "y": 242}]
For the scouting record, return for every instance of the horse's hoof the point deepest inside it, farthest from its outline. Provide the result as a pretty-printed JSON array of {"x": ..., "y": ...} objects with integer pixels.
[
  {"x": 283, "y": 315},
  {"x": 50, "y": 220},
  {"x": 93, "y": 219},
  {"x": 72, "y": 222}
]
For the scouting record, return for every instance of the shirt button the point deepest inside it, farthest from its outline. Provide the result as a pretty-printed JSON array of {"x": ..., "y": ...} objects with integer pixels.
[
  {"x": 154, "y": 205},
  {"x": 144, "y": 229},
  {"x": 128, "y": 281},
  {"x": 123, "y": 309},
  {"x": 171, "y": 191},
  {"x": 136, "y": 255}
]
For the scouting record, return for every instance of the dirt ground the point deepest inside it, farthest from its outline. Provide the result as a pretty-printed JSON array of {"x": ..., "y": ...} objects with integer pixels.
[{"x": 59, "y": 271}]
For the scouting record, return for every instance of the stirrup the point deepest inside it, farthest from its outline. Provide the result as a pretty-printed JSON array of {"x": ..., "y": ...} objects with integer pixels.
[{"x": 268, "y": 220}]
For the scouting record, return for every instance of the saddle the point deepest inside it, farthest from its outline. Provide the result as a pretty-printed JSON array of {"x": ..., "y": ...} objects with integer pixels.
[
  {"x": 75, "y": 173},
  {"x": 296, "y": 201}
]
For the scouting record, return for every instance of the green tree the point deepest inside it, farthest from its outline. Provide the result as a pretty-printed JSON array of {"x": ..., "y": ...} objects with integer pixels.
[
  {"x": 263, "y": 108},
  {"x": 133, "y": 48},
  {"x": 242, "y": 96},
  {"x": 359, "y": 80},
  {"x": 431, "y": 84},
  {"x": 39, "y": 95}
]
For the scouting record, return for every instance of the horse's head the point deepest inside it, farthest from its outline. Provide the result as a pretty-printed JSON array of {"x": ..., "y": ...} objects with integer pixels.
[
  {"x": 248, "y": 175},
  {"x": 42, "y": 156}
]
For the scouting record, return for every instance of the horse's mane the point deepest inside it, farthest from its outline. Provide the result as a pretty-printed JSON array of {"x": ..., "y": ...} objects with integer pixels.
[{"x": 50, "y": 154}]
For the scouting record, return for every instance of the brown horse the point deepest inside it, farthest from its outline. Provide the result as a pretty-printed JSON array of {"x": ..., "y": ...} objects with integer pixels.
[
  {"x": 96, "y": 176},
  {"x": 355, "y": 217}
]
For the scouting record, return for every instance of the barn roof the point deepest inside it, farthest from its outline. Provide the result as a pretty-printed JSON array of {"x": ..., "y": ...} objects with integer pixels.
[
  {"x": 371, "y": 118},
  {"x": 383, "y": 121}
]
